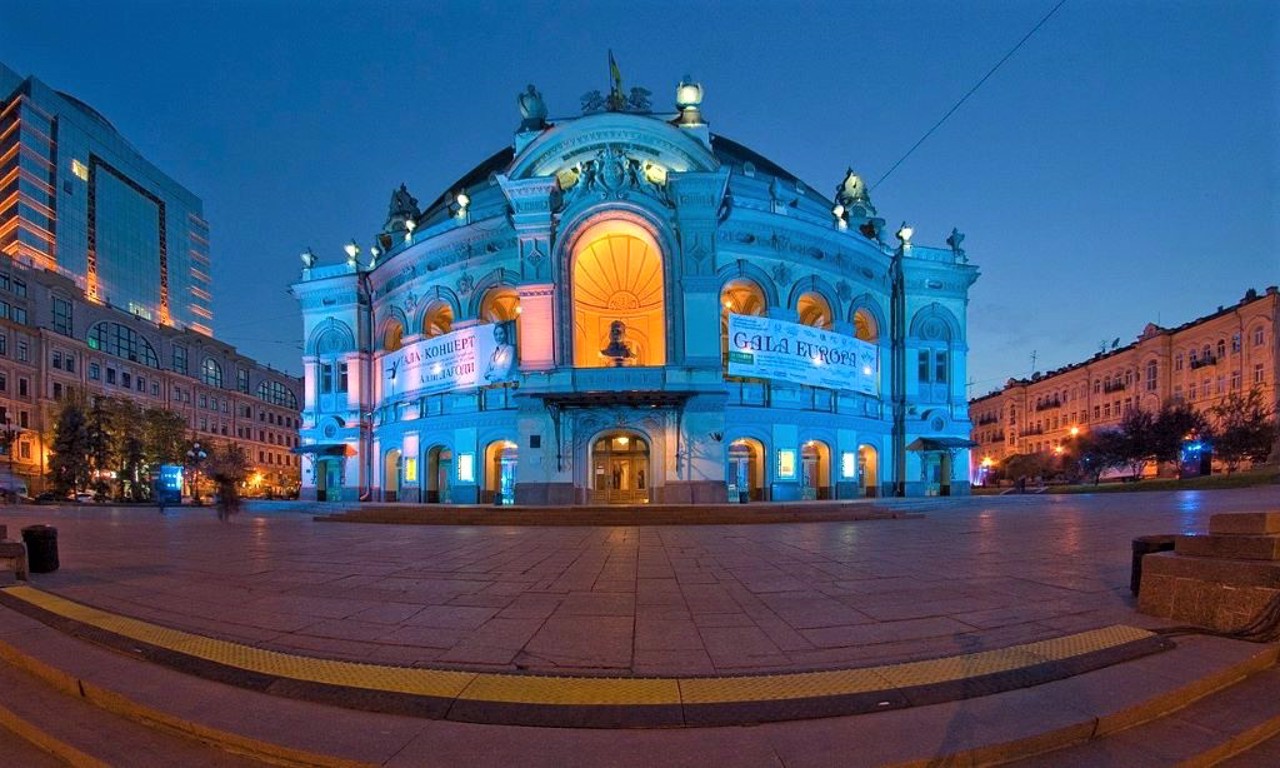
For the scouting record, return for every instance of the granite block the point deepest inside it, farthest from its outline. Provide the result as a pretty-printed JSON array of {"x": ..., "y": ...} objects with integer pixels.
[
  {"x": 1245, "y": 522},
  {"x": 1230, "y": 546}
]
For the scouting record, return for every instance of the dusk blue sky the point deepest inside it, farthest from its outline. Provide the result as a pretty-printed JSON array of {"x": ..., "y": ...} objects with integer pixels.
[{"x": 1123, "y": 167}]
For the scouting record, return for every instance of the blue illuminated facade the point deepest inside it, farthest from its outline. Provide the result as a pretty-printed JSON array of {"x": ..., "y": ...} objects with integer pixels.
[{"x": 619, "y": 246}]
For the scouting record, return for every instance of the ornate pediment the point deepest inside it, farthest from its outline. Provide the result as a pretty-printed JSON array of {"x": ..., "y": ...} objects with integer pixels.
[{"x": 571, "y": 144}]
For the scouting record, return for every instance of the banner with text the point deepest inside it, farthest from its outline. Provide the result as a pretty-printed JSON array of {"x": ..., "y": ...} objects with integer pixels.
[
  {"x": 472, "y": 357},
  {"x": 773, "y": 349}
]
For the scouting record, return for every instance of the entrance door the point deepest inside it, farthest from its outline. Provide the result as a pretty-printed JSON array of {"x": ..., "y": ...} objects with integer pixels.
[
  {"x": 439, "y": 472},
  {"x": 620, "y": 470}
]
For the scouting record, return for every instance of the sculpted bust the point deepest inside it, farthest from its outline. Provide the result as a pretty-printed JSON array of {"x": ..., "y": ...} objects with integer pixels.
[{"x": 618, "y": 350}]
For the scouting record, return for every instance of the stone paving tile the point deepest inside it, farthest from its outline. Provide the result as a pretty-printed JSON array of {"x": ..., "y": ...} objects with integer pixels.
[
  {"x": 897, "y": 631},
  {"x": 730, "y": 645},
  {"x": 452, "y": 617},
  {"x": 723, "y": 620},
  {"x": 423, "y": 637},
  {"x": 387, "y": 613},
  {"x": 666, "y": 635},
  {"x": 597, "y": 604},
  {"x": 667, "y": 663},
  {"x": 583, "y": 641}
]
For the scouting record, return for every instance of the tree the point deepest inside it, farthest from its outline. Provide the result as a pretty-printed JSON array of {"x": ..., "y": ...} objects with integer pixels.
[
  {"x": 1024, "y": 465},
  {"x": 99, "y": 444},
  {"x": 1097, "y": 451},
  {"x": 69, "y": 460},
  {"x": 1173, "y": 425},
  {"x": 1137, "y": 442},
  {"x": 1245, "y": 428},
  {"x": 126, "y": 448},
  {"x": 164, "y": 437}
]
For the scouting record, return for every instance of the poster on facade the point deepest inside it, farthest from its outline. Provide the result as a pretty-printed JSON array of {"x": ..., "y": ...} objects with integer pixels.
[
  {"x": 471, "y": 357},
  {"x": 764, "y": 348}
]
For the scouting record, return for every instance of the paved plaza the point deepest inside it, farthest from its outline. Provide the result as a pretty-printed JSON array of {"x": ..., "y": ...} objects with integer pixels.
[{"x": 965, "y": 575}]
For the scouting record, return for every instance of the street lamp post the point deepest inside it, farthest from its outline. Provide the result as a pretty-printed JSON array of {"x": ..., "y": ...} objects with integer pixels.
[
  {"x": 195, "y": 456},
  {"x": 898, "y": 361}
]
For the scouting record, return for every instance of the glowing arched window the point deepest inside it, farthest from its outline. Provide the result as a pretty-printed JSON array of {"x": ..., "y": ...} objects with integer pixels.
[
  {"x": 277, "y": 394},
  {"x": 438, "y": 320},
  {"x": 619, "y": 307},
  {"x": 814, "y": 310},
  {"x": 211, "y": 372},
  {"x": 392, "y": 336},
  {"x": 122, "y": 341},
  {"x": 738, "y": 297},
  {"x": 500, "y": 305},
  {"x": 864, "y": 326}
]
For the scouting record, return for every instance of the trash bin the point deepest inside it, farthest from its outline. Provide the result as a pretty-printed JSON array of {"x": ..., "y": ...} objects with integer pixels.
[
  {"x": 42, "y": 548},
  {"x": 1145, "y": 545}
]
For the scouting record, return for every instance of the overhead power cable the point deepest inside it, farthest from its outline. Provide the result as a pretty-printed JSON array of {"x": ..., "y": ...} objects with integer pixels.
[{"x": 971, "y": 91}]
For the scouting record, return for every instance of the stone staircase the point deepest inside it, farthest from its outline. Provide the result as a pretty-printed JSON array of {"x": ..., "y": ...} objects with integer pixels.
[{"x": 67, "y": 699}]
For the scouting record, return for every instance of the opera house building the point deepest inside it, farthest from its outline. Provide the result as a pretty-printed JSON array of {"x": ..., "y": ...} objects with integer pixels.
[{"x": 624, "y": 307}]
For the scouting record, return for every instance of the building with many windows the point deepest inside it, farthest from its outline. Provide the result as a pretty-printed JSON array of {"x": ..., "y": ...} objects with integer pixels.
[
  {"x": 623, "y": 307},
  {"x": 105, "y": 290},
  {"x": 1234, "y": 349},
  {"x": 55, "y": 344},
  {"x": 78, "y": 199}
]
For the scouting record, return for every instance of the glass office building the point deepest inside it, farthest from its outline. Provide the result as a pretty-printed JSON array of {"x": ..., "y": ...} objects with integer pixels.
[{"x": 77, "y": 198}]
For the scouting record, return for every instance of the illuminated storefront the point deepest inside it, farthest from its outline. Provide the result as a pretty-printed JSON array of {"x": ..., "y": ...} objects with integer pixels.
[{"x": 626, "y": 308}]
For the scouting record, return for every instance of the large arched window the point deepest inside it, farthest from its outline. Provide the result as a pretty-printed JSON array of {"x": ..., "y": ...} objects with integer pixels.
[
  {"x": 438, "y": 319},
  {"x": 500, "y": 305},
  {"x": 211, "y": 372},
  {"x": 122, "y": 341},
  {"x": 619, "y": 306},
  {"x": 865, "y": 326},
  {"x": 814, "y": 310},
  {"x": 738, "y": 297},
  {"x": 277, "y": 394},
  {"x": 392, "y": 335},
  {"x": 933, "y": 334}
]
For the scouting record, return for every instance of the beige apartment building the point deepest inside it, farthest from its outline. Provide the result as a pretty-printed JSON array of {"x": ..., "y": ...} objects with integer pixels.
[
  {"x": 1234, "y": 349},
  {"x": 54, "y": 344}
]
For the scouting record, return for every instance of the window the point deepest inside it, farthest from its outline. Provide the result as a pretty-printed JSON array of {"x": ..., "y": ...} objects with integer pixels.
[
  {"x": 111, "y": 375},
  {"x": 1177, "y": 362},
  {"x": 126, "y": 379},
  {"x": 1191, "y": 391},
  {"x": 24, "y": 351},
  {"x": 155, "y": 389},
  {"x": 1235, "y": 379},
  {"x": 122, "y": 341},
  {"x": 277, "y": 394},
  {"x": 342, "y": 377},
  {"x": 204, "y": 401},
  {"x": 1097, "y": 386},
  {"x": 4, "y": 344},
  {"x": 242, "y": 380},
  {"x": 24, "y": 387},
  {"x": 62, "y": 316},
  {"x": 69, "y": 363},
  {"x": 56, "y": 359},
  {"x": 326, "y": 378},
  {"x": 1151, "y": 376},
  {"x": 24, "y": 419},
  {"x": 19, "y": 287},
  {"x": 57, "y": 390},
  {"x": 1222, "y": 348},
  {"x": 1235, "y": 342},
  {"x": 211, "y": 372},
  {"x": 923, "y": 365},
  {"x": 19, "y": 315},
  {"x": 4, "y": 382},
  {"x": 1257, "y": 373},
  {"x": 179, "y": 358},
  {"x": 24, "y": 449},
  {"x": 1259, "y": 335},
  {"x": 95, "y": 371}
]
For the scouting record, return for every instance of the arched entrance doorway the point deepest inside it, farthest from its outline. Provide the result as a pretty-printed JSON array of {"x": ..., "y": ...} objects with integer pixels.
[
  {"x": 815, "y": 470},
  {"x": 391, "y": 467},
  {"x": 620, "y": 472},
  {"x": 500, "y": 473},
  {"x": 439, "y": 472},
  {"x": 746, "y": 471},
  {"x": 868, "y": 471}
]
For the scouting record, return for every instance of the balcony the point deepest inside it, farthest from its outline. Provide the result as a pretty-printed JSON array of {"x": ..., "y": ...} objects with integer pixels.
[
  {"x": 1202, "y": 362},
  {"x": 989, "y": 419},
  {"x": 1048, "y": 404},
  {"x": 1113, "y": 386}
]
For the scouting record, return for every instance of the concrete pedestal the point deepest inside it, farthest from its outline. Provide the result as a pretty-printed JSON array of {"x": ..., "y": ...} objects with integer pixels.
[{"x": 1221, "y": 580}]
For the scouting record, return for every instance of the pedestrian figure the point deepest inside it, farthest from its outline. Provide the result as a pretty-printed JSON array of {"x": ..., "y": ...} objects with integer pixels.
[{"x": 228, "y": 499}]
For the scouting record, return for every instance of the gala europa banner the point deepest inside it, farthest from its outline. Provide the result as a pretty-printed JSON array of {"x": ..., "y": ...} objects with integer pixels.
[{"x": 764, "y": 348}]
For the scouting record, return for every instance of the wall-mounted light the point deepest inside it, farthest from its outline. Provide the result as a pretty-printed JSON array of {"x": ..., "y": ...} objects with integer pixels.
[
  {"x": 461, "y": 202},
  {"x": 353, "y": 251},
  {"x": 374, "y": 253}
]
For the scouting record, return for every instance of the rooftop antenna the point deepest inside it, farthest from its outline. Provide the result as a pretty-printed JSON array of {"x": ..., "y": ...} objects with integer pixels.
[{"x": 1033, "y": 362}]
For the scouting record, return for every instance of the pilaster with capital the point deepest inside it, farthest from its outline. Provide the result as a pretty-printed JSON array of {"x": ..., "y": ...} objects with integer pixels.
[{"x": 697, "y": 198}]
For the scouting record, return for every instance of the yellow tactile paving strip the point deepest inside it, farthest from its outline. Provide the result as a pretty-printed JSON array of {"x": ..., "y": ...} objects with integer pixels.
[{"x": 565, "y": 691}]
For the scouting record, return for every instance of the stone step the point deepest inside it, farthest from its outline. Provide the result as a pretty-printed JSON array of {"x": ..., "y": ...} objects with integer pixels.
[
  {"x": 58, "y": 728},
  {"x": 1230, "y": 546},
  {"x": 1230, "y": 722},
  {"x": 1258, "y": 523},
  {"x": 985, "y": 729}
]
